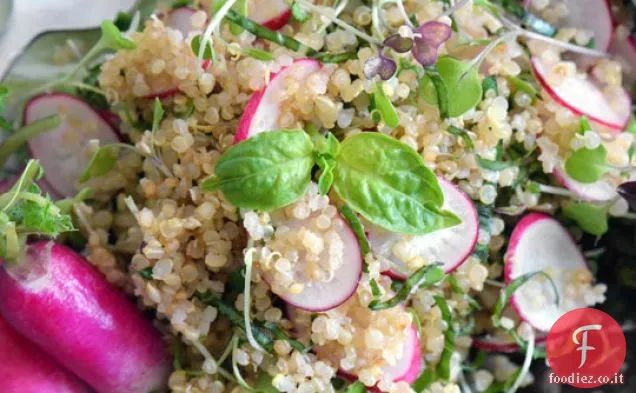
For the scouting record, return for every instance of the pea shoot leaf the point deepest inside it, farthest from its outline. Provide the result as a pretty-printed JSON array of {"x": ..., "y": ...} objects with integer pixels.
[
  {"x": 208, "y": 52},
  {"x": 587, "y": 165},
  {"x": 591, "y": 218},
  {"x": 113, "y": 39},
  {"x": 385, "y": 107},
  {"x": 463, "y": 86}
]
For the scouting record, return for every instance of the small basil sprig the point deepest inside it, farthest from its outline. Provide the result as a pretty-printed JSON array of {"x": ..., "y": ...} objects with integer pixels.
[
  {"x": 444, "y": 365},
  {"x": 265, "y": 172},
  {"x": 426, "y": 276},
  {"x": 462, "y": 85},
  {"x": 381, "y": 178},
  {"x": 587, "y": 165},
  {"x": 388, "y": 184}
]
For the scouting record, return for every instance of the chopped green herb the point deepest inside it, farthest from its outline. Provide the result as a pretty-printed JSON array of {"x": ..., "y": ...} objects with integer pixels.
[
  {"x": 498, "y": 164},
  {"x": 356, "y": 387},
  {"x": 181, "y": 3},
  {"x": 425, "y": 379},
  {"x": 357, "y": 228},
  {"x": 257, "y": 54},
  {"x": 426, "y": 276},
  {"x": 146, "y": 273},
  {"x": 518, "y": 84},
  {"x": 102, "y": 162},
  {"x": 459, "y": 132},
  {"x": 242, "y": 7},
  {"x": 444, "y": 365},
  {"x": 584, "y": 125},
  {"x": 123, "y": 20},
  {"x": 490, "y": 83}
]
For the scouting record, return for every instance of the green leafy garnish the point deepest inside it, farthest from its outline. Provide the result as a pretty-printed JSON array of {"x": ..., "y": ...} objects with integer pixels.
[
  {"x": 356, "y": 387},
  {"x": 113, "y": 39},
  {"x": 326, "y": 151},
  {"x": 265, "y": 172},
  {"x": 518, "y": 84},
  {"x": 425, "y": 379},
  {"x": 584, "y": 125},
  {"x": 157, "y": 115},
  {"x": 511, "y": 288},
  {"x": 242, "y": 7},
  {"x": 444, "y": 365},
  {"x": 25, "y": 211},
  {"x": 357, "y": 228},
  {"x": 299, "y": 14},
  {"x": 461, "y": 82},
  {"x": 587, "y": 165},
  {"x": 459, "y": 132},
  {"x": 426, "y": 276},
  {"x": 387, "y": 182},
  {"x": 102, "y": 162},
  {"x": 385, "y": 107},
  {"x": 146, "y": 273},
  {"x": 490, "y": 83},
  {"x": 257, "y": 54},
  {"x": 123, "y": 20},
  {"x": 498, "y": 164},
  {"x": 208, "y": 53},
  {"x": 591, "y": 218}
]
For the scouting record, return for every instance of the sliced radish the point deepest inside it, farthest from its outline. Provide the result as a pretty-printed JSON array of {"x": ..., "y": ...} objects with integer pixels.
[
  {"x": 272, "y": 14},
  {"x": 180, "y": 19},
  {"x": 262, "y": 110},
  {"x": 496, "y": 344},
  {"x": 594, "y": 16},
  {"x": 325, "y": 295},
  {"x": 450, "y": 246},
  {"x": 63, "y": 152},
  {"x": 584, "y": 98},
  {"x": 540, "y": 243},
  {"x": 408, "y": 367},
  {"x": 599, "y": 191}
]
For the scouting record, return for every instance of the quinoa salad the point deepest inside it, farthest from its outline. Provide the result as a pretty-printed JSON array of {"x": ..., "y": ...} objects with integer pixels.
[{"x": 314, "y": 196}]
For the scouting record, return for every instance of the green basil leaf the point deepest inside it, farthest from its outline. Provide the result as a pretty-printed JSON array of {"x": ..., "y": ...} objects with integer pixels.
[
  {"x": 591, "y": 218},
  {"x": 385, "y": 107},
  {"x": 462, "y": 85},
  {"x": 113, "y": 39},
  {"x": 100, "y": 164},
  {"x": 459, "y": 132},
  {"x": 326, "y": 178},
  {"x": 265, "y": 172},
  {"x": 587, "y": 165},
  {"x": 490, "y": 83},
  {"x": 208, "y": 52},
  {"x": 387, "y": 182}
]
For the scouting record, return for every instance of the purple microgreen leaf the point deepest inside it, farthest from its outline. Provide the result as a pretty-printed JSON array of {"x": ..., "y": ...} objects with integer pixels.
[
  {"x": 424, "y": 53},
  {"x": 628, "y": 192},
  {"x": 434, "y": 33},
  {"x": 379, "y": 65},
  {"x": 398, "y": 43}
]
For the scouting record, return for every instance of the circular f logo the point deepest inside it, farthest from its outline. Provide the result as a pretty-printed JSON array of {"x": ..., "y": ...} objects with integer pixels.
[{"x": 585, "y": 348}]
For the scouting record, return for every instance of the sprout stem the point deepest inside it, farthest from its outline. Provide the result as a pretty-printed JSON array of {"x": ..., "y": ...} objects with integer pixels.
[
  {"x": 21, "y": 136},
  {"x": 405, "y": 16}
]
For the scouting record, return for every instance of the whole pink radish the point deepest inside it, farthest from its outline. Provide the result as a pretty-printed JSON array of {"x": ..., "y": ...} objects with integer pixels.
[
  {"x": 24, "y": 368},
  {"x": 57, "y": 300}
]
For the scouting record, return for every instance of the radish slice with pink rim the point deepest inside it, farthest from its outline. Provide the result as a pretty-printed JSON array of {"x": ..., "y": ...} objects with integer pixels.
[
  {"x": 600, "y": 191},
  {"x": 591, "y": 15},
  {"x": 540, "y": 243},
  {"x": 496, "y": 344},
  {"x": 272, "y": 14},
  {"x": 262, "y": 111},
  {"x": 450, "y": 246},
  {"x": 582, "y": 97},
  {"x": 406, "y": 369},
  {"x": 325, "y": 295},
  {"x": 63, "y": 151}
]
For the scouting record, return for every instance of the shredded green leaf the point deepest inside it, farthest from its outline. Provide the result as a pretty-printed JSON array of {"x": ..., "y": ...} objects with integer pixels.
[
  {"x": 426, "y": 276},
  {"x": 459, "y": 132},
  {"x": 444, "y": 365}
]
